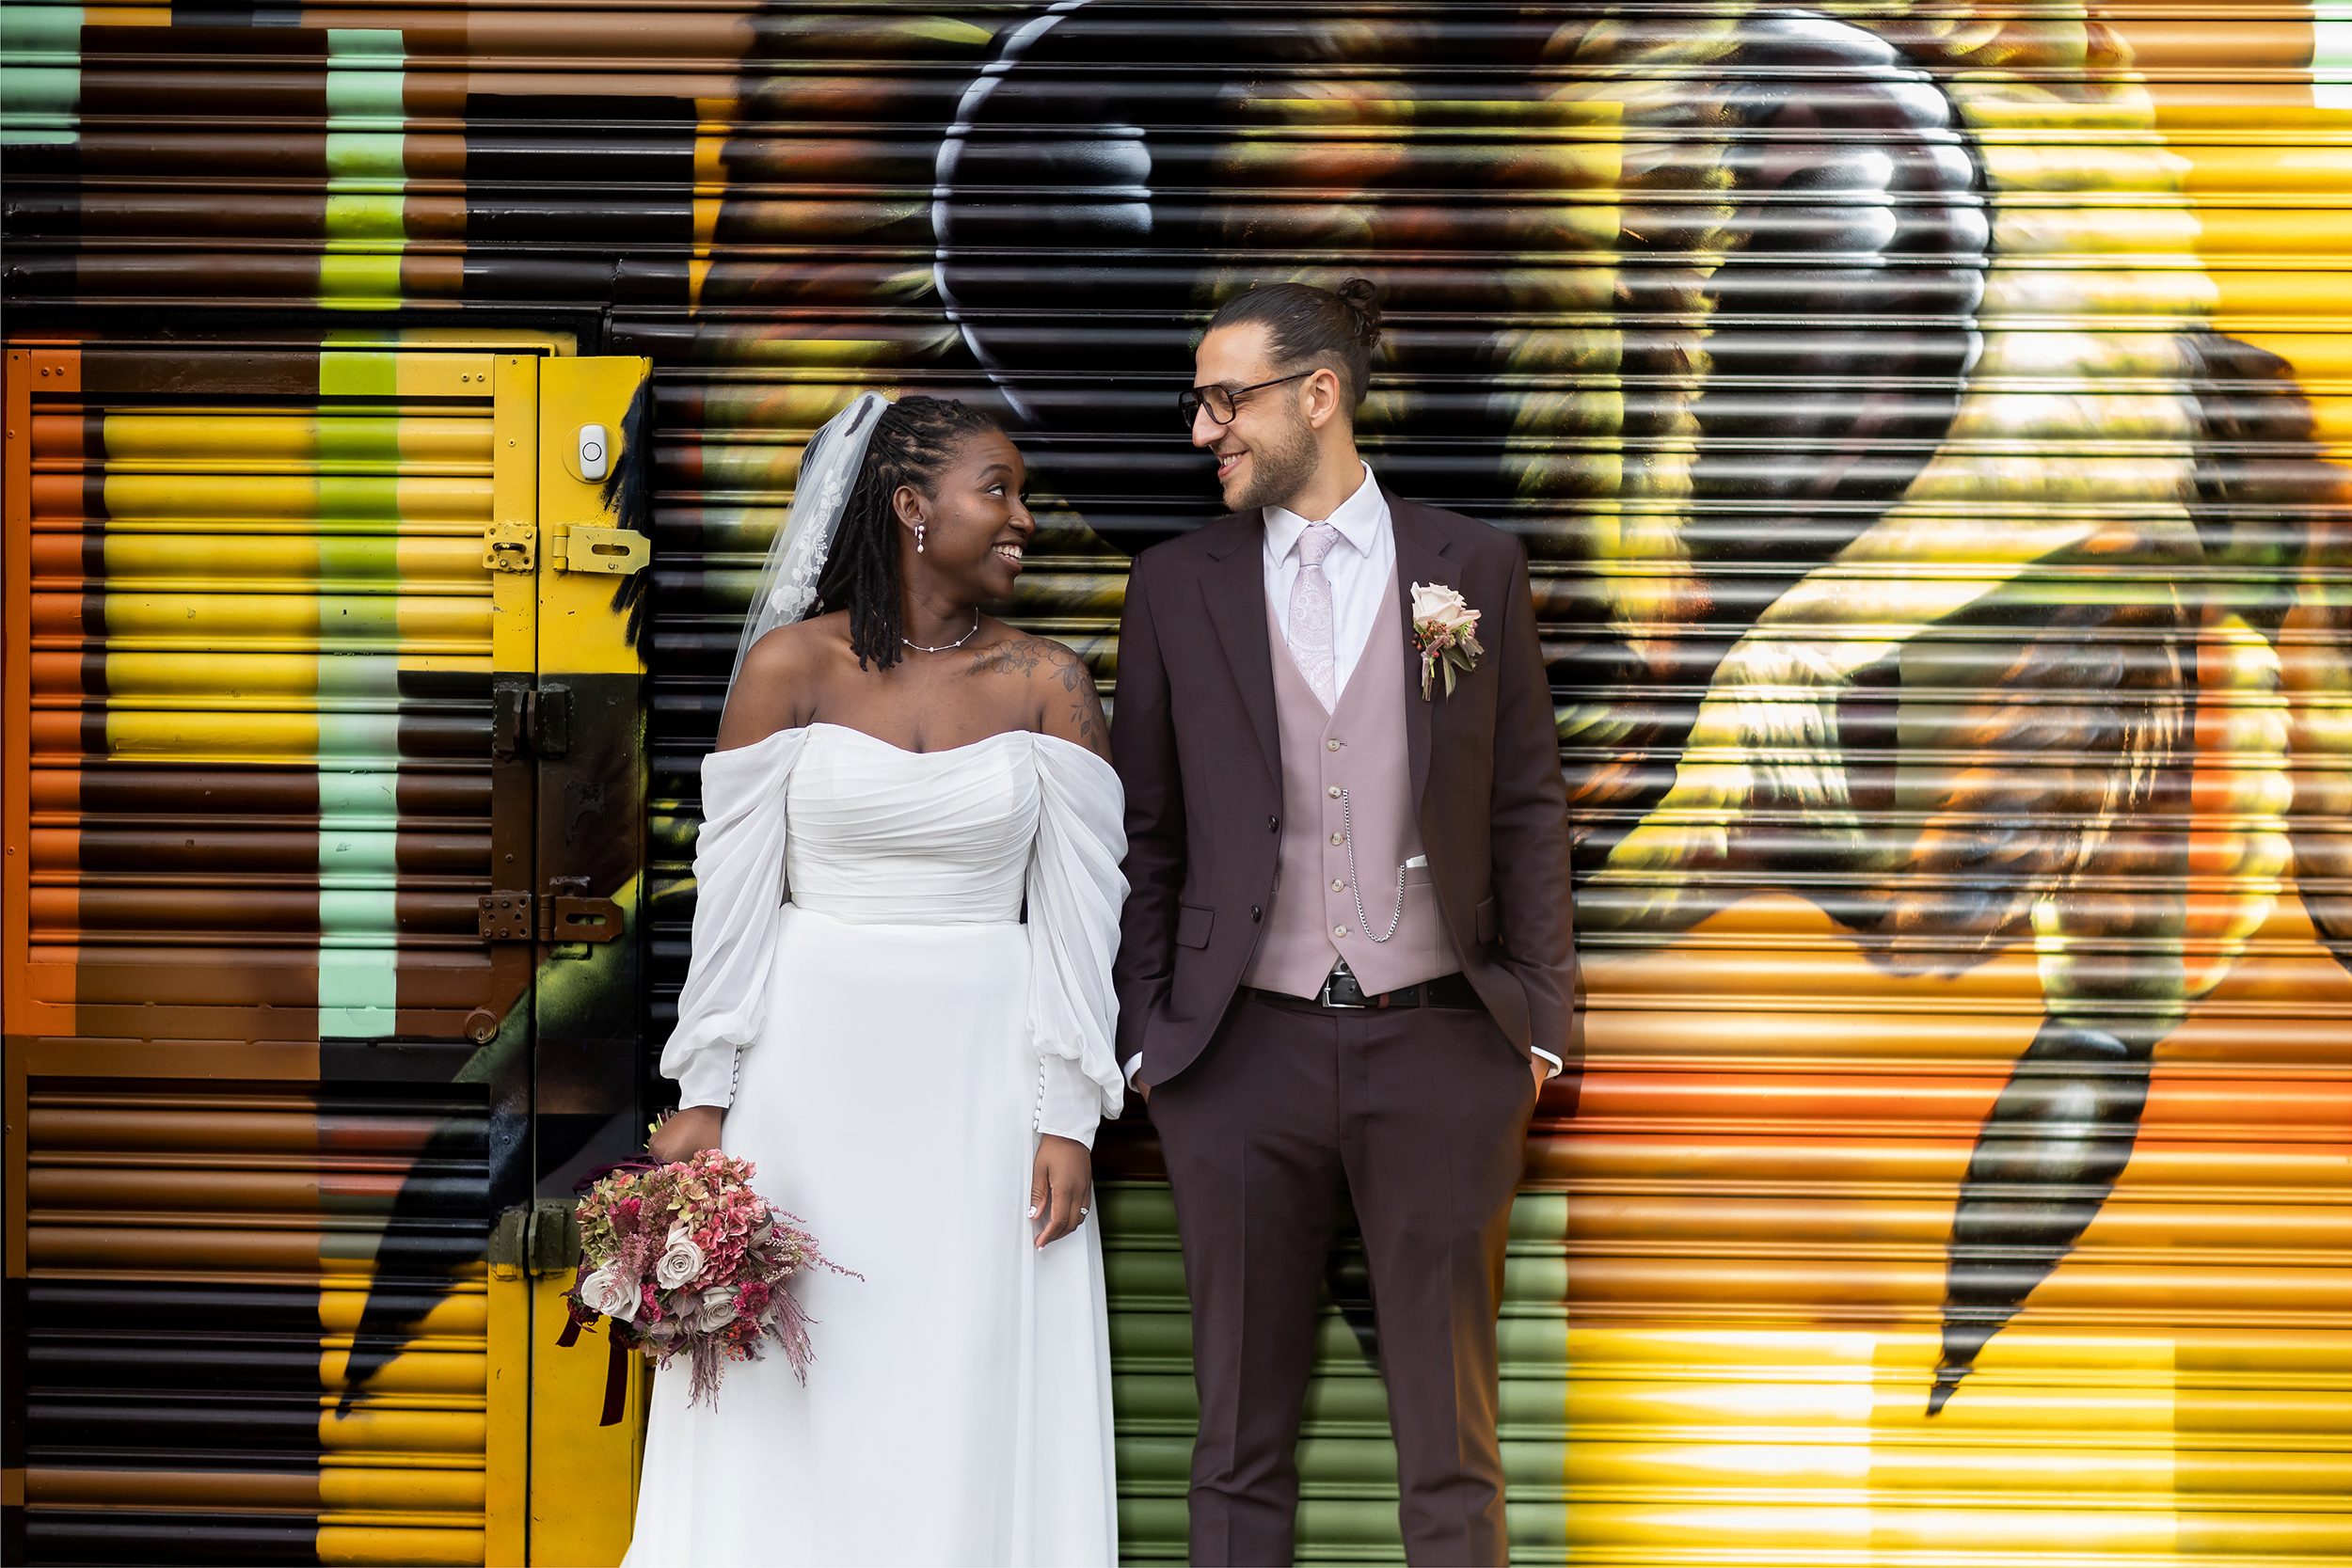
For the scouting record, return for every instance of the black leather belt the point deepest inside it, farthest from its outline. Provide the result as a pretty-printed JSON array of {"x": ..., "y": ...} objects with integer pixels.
[{"x": 1341, "y": 990}]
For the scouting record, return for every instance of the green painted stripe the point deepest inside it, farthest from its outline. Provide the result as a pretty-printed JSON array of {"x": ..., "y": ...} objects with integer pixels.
[
  {"x": 358, "y": 439},
  {"x": 365, "y": 161},
  {"x": 360, "y": 617},
  {"x": 358, "y": 965},
  {"x": 359, "y": 496},
  {"x": 40, "y": 102},
  {"x": 365, "y": 913},
  {"x": 380, "y": 45},
  {"x": 31, "y": 30},
  {"x": 357, "y": 374},
  {"x": 362, "y": 675},
  {"x": 370, "y": 156},
  {"x": 359, "y": 795},
  {"x": 355, "y": 859},
  {"x": 369, "y": 219},
  {"x": 359, "y": 556},
  {"x": 349, "y": 282},
  {"x": 358, "y": 736},
  {"x": 364, "y": 75}
]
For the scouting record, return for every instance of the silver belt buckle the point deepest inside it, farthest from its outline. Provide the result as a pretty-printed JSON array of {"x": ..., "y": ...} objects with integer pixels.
[{"x": 1324, "y": 996}]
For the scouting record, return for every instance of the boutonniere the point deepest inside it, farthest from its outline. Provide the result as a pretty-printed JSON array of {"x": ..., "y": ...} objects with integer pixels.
[{"x": 1445, "y": 634}]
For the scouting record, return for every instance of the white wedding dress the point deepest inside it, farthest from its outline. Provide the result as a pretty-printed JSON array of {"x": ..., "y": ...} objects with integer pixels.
[{"x": 890, "y": 1038}]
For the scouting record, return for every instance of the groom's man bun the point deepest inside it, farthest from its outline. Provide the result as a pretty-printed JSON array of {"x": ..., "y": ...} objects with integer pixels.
[{"x": 1307, "y": 325}]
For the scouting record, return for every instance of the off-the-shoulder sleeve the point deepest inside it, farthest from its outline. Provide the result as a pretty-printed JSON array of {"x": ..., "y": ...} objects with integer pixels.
[
  {"x": 1076, "y": 894},
  {"x": 738, "y": 892}
]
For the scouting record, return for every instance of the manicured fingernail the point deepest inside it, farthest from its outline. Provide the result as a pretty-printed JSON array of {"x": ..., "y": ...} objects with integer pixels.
[{"x": 1032, "y": 1211}]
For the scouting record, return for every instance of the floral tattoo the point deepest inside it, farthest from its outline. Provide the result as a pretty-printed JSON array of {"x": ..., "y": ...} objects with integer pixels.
[{"x": 1026, "y": 656}]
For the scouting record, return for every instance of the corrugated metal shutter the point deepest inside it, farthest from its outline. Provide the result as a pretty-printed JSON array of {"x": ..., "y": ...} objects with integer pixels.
[
  {"x": 255, "y": 1026},
  {"x": 256, "y": 1328},
  {"x": 1917, "y": 417},
  {"x": 1707, "y": 303}
]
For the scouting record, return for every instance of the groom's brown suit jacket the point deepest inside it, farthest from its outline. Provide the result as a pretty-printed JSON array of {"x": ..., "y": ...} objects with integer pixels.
[{"x": 1196, "y": 742}]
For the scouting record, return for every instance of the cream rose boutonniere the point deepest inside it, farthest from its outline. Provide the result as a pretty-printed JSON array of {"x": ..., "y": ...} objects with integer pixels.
[{"x": 1445, "y": 634}]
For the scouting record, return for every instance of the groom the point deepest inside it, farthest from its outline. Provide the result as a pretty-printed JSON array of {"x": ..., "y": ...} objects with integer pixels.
[{"x": 1346, "y": 968}]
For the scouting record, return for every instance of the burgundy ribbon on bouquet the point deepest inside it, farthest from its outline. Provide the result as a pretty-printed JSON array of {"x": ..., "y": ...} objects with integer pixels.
[
  {"x": 616, "y": 1364},
  {"x": 615, "y": 1369}
]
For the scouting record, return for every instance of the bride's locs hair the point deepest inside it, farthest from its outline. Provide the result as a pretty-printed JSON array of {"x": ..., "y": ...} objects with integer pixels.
[
  {"x": 913, "y": 440},
  {"x": 1307, "y": 325}
]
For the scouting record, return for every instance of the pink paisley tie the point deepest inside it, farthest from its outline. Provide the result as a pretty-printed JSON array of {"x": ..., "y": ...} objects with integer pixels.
[{"x": 1308, "y": 629}]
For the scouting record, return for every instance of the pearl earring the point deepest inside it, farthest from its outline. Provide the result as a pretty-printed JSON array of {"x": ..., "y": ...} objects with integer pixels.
[{"x": 918, "y": 538}]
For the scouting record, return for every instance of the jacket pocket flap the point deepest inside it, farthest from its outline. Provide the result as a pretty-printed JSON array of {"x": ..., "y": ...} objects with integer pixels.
[{"x": 1192, "y": 925}]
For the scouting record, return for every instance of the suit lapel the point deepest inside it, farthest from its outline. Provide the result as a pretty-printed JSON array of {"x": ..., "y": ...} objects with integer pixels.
[
  {"x": 1420, "y": 558},
  {"x": 1234, "y": 584}
]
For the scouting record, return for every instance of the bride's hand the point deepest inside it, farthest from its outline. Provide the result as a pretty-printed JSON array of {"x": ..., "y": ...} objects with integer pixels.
[
  {"x": 686, "y": 1134},
  {"x": 1061, "y": 1187}
]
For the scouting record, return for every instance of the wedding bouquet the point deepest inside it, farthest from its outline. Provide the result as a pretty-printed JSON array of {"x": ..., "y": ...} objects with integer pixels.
[{"x": 686, "y": 1259}]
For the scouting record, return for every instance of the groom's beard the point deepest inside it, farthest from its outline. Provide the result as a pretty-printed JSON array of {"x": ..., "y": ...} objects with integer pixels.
[{"x": 1273, "y": 473}]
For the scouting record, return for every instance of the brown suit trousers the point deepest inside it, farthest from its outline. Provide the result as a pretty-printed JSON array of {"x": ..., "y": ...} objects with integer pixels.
[{"x": 1418, "y": 1117}]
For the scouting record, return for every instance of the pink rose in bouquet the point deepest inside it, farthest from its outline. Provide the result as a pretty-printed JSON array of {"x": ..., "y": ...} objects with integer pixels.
[{"x": 686, "y": 1259}]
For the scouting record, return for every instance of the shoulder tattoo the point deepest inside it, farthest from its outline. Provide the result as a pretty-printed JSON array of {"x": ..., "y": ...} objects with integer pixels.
[{"x": 1032, "y": 656}]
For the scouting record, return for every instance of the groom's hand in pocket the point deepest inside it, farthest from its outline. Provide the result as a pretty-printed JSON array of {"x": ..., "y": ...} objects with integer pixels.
[{"x": 1061, "y": 1187}]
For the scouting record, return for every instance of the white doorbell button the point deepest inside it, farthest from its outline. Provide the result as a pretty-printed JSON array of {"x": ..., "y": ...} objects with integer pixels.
[{"x": 595, "y": 451}]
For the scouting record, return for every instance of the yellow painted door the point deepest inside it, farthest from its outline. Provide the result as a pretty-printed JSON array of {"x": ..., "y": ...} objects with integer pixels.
[{"x": 288, "y": 804}]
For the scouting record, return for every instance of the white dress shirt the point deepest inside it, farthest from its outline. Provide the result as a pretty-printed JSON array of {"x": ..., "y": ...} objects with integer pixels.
[{"x": 1360, "y": 567}]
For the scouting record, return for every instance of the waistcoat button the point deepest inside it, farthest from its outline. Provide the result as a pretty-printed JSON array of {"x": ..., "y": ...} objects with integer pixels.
[
  {"x": 1339, "y": 931},
  {"x": 1339, "y": 838},
  {"x": 1330, "y": 745},
  {"x": 1335, "y": 792}
]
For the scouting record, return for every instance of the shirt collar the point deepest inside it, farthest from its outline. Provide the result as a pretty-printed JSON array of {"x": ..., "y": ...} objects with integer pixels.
[{"x": 1358, "y": 518}]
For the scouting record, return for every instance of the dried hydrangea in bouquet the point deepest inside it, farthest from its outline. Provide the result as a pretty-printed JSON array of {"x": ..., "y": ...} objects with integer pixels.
[{"x": 686, "y": 1259}]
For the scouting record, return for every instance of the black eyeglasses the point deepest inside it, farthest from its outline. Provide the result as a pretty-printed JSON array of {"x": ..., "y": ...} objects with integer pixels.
[{"x": 1221, "y": 404}]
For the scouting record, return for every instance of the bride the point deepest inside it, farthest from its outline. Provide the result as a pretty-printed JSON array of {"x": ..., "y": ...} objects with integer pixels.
[{"x": 915, "y": 1070}]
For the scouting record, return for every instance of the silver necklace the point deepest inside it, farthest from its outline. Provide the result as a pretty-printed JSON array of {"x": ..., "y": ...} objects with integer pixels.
[{"x": 948, "y": 647}]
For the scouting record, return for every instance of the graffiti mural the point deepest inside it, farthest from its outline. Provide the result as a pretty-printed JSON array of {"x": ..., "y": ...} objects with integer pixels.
[{"x": 1928, "y": 425}]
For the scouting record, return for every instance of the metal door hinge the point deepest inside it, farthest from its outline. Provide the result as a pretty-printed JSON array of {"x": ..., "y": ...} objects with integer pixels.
[
  {"x": 592, "y": 547},
  {"x": 511, "y": 545},
  {"x": 507, "y": 917},
  {"x": 535, "y": 1239},
  {"x": 514, "y": 914},
  {"x": 529, "y": 720}
]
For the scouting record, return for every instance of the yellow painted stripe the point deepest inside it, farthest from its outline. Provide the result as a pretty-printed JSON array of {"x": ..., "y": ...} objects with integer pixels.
[
  {"x": 282, "y": 622},
  {"x": 456, "y": 1314},
  {"x": 231, "y": 679},
  {"x": 154, "y": 560},
  {"x": 261, "y": 442},
  {"x": 424, "y": 503},
  {"x": 412, "y": 1371},
  {"x": 376, "y": 1546}
]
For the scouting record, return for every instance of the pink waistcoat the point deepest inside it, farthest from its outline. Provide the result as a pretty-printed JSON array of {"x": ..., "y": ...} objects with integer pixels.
[{"x": 1357, "y": 749}]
